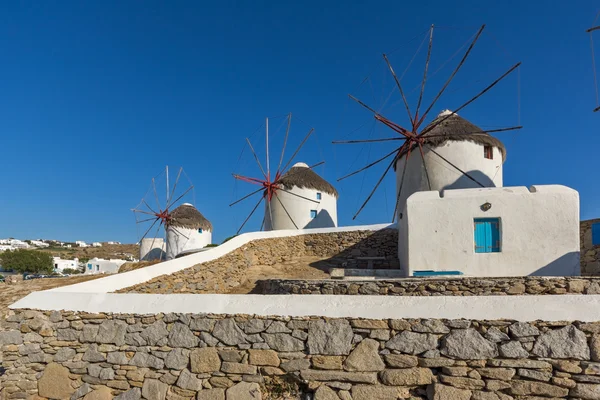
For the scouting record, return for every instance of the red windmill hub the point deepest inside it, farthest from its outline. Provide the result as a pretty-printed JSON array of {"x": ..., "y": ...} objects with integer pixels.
[{"x": 268, "y": 187}]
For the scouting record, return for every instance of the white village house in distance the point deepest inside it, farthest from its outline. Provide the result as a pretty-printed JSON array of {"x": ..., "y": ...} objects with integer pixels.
[
  {"x": 468, "y": 223},
  {"x": 102, "y": 266},
  {"x": 59, "y": 265},
  {"x": 308, "y": 201},
  {"x": 187, "y": 229}
]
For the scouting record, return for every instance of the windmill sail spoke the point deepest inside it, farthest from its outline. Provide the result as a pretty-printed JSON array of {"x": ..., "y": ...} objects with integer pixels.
[
  {"x": 287, "y": 132},
  {"x": 369, "y": 166},
  {"x": 595, "y": 28},
  {"x": 374, "y": 189},
  {"x": 183, "y": 194},
  {"x": 285, "y": 209},
  {"x": 155, "y": 235},
  {"x": 148, "y": 230},
  {"x": 179, "y": 232},
  {"x": 425, "y": 72},
  {"x": 596, "y": 109},
  {"x": 460, "y": 64},
  {"x": 174, "y": 187},
  {"x": 250, "y": 215},
  {"x": 246, "y": 196},
  {"x": 401, "y": 184},
  {"x": 155, "y": 194},
  {"x": 135, "y": 210},
  {"x": 248, "y": 179},
  {"x": 412, "y": 121},
  {"x": 256, "y": 158},
  {"x": 268, "y": 203},
  {"x": 424, "y": 165},
  {"x": 297, "y": 195},
  {"x": 367, "y": 140},
  {"x": 147, "y": 205},
  {"x": 473, "y": 99},
  {"x": 363, "y": 104},
  {"x": 145, "y": 220},
  {"x": 298, "y": 149},
  {"x": 455, "y": 167}
]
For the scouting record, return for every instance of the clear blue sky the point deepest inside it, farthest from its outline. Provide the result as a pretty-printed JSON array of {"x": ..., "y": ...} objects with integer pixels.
[{"x": 97, "y": 97}]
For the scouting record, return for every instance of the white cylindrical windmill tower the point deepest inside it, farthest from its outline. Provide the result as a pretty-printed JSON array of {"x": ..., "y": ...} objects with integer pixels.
[
  {"x": 304, "y": 201},
  {"x": 187, "y": 229},
  {"x": 464, "y": 146},
  {"x": 152, "y": 249}
]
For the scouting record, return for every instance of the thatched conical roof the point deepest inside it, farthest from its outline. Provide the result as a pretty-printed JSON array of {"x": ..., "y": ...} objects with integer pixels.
[
  {"x": 187, "y": 216},
  {"x": 457, "y": 128},
  {"x": 303, "y": 177}
]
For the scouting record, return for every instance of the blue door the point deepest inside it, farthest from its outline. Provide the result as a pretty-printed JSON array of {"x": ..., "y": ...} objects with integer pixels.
[{"x": 487, "y": 235}]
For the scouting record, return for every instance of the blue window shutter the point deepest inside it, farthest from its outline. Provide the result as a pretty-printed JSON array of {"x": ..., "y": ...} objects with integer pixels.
[
  {"x": 480, "y": 241},
  {"x": 487, "y": 235},
  {"x": 596, "y": 234},
  {"x": 313, "y": 213},
  {"x": 495, "y": 236}
]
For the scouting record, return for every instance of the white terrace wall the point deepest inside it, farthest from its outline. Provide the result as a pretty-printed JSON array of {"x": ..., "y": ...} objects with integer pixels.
[{"x": 539, "y": 231}]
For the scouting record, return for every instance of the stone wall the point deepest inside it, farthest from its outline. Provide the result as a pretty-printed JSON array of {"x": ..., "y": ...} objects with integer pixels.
[
  {"x": 341, "y": 249},
  {"x": 590, "y": 254},
  {"x": 66, "y": 355},
  {"x": 437, "y": 286}
]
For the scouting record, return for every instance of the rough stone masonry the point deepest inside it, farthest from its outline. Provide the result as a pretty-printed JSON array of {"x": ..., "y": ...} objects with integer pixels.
[{"x": 68, "y": 355}]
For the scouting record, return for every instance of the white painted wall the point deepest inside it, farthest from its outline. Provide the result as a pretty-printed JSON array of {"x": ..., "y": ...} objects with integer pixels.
[
  {"x": 299, "y": 210},
  {"x": 60, "y": 264},
  {"x": 182, "y": 239},
  {"x": 152, "y": 249},
  {"x": 539, "y": 231},
  {"x": 520, "y": 308},
  {"x": 467, "y": 156},
  {"x": 101, "y": 266}
]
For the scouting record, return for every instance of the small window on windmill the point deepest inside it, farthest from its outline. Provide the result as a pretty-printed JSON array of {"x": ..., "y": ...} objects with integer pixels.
[
  {"x": 200, "y": 230},
  {"x": 319, "y": 196},
  {"x": 488, "y": 152},
  {"x": 313, "y": 214}
]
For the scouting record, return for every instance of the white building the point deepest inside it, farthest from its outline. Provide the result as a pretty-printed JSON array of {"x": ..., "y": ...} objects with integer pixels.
[
  {"x": 39, "y": 243},
  {"x": 304, "y": 201},
  {"x": 5, "y": 247},
  {"x": 81, "y": 243},
  {"x": 96, "y": 244},
  {"x": 60, "y": 264},
  {"x": 113, "y": 242},
  {"x": 187, "y": 230},
  {"x": 102, "y": 266},
  {"x": 152, "y": 249},
  {"x": 461, "y": 228}
]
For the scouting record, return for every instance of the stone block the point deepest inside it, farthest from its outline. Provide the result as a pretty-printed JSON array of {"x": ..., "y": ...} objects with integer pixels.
[
  {"x": 244, "y": 391},
  {"x": 55, "y": 382},
  {"x": 205, "y": 360},
  {"x": 437, "y": 391},
  {"x": 329, "y": 337},
  {"x": 365, "y": 357},
  {"x": 154, "y": 389},
  {"x": 407, "y": 377},
  {"x": 264, "y": 358},
  {"x": 339, "y": 376}
]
